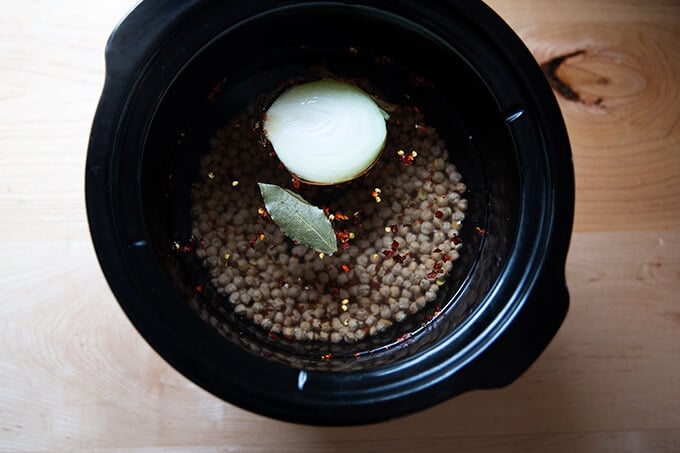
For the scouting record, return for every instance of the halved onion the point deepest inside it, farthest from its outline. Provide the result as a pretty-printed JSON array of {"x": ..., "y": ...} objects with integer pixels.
[{"x": 326, "y": 132}]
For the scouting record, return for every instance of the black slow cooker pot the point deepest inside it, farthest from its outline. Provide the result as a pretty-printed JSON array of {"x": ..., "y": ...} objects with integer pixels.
[{"x": 176, "y": 70}]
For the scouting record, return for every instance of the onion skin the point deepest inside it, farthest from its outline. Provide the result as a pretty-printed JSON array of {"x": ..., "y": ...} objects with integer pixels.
[{"x": 326, "y": 132}]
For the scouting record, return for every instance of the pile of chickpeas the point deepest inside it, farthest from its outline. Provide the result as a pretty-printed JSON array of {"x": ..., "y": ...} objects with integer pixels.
[{"x": 399, "y": 240}]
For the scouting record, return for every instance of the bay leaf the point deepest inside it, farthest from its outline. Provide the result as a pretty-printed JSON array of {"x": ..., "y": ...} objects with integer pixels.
[{"x": 298, "y": 219}]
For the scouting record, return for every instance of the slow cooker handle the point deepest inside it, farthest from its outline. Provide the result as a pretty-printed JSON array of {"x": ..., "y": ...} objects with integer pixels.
[{"x": 525, "y": 338}]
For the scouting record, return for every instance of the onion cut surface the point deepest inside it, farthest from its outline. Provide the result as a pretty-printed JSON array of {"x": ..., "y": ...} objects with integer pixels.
[{"x": 326, "y": 132}]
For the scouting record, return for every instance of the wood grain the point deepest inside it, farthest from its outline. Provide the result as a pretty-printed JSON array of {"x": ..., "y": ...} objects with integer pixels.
[
  {"x": 76, "y": 376},
  {"x": 625, "y": 129}
]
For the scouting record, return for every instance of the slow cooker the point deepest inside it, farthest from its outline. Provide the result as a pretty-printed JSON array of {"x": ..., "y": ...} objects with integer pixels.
[{"x": 175, "y": 71}]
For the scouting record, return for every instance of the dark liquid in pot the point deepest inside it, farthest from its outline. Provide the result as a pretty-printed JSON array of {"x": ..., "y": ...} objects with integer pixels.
[{"x": 397, "y": 227}]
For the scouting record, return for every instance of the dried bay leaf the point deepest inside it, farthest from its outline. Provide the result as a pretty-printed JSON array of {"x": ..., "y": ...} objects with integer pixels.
[{"x": 298, "y": 219}]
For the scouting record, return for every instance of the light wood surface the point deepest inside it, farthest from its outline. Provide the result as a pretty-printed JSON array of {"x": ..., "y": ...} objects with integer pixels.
[{"x": 75, "y": 375}]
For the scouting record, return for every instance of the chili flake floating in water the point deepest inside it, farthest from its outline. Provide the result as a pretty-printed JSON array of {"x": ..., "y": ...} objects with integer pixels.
[
  {"x": 259, "y": 235},
  {"x": 345, "y": 268},
  {"x": 407, "y": 159},
  {"x": 401, "y": 258},
  {"x": 296, "y": 182},
  {"x": 480, "y": 231},
  {"x": 188, "y": 247},
  {"x": 439, "y": 214},
  {"x": 327, "y": 357},
  {"x": 199, "y": 288},
  {"x": 376, "y": 195}
]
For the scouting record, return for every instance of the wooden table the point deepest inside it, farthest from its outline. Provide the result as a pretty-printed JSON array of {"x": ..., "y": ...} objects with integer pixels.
[{"x": 75, "y": 375}]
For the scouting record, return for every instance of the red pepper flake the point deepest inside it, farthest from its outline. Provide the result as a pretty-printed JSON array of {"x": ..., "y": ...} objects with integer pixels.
[
  {"x": 400, "y": 258},
  {"x": 341, "y": 216},
  {"x": 188, "y": 247},
  {"x": 437, "y": 250},
  {"x": 480, "y": 231},
  {"x": 327, "y": 357},
  {"x": 264, "y": 214},
  {"x": 427, "y": 178},
  {"x": 446, "y": 258},
  {"x": 345, "y": 245},
  {"x": 259, "y": 235},
  {"x": 420, "y": 127},
  {"x": 404, "y": 337},
  {"x": 420, "y": 221},
  {"x": 342, "y": 235},
  {"x": 395, "y": 245},
  {"x": 345, "y": 268},
  {"x": 432, "y": 275},
  {"x": 416, "y": 109},
  {"x": 280, "y": 165},
  {"x": 407, "y": 159},
  {"x": 383, "y": 60},
  {"x": 417, "y": 80},
  {"x": 439, "y": 214},
  {"x": 296, "y": 182},
  {"x": 376, "y": 194},
  {"x": 457, "y": 240},
  {"x": 388, "y": 253},
  {"x": 273, "y": 336},
  {"x": 215, "y": 91},
  {"x": 394, "y": 228},
  {"x": 357, "y": 355},
  {"x": 199, "y": 288},
  {"x": 437, "y": 266}
]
